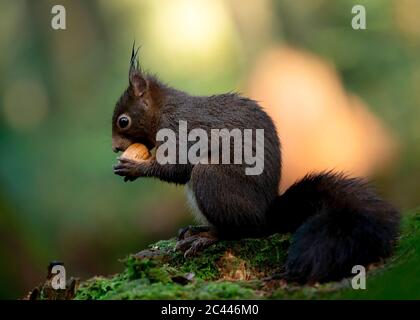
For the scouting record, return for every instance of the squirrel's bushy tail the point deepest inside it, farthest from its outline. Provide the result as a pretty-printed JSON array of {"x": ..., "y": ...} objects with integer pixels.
[{"x": 338, "y": 222}]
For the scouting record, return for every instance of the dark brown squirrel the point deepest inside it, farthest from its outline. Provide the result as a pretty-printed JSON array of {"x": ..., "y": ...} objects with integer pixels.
[{"x": 338, "y": 222}]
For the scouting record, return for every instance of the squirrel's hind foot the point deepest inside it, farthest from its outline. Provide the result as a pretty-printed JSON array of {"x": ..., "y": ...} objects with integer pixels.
[{"x": 194, "y": 239}]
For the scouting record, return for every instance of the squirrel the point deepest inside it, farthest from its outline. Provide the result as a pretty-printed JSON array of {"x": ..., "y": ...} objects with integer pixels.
[{"x": 336, "y": 221}]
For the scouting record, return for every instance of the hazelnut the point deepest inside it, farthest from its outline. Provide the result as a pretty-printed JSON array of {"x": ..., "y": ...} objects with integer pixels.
[{"x": 136, "y": 152}]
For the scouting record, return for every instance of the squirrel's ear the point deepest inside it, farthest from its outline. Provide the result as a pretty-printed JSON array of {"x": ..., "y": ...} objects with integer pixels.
[{"x": 137, "y": 81}]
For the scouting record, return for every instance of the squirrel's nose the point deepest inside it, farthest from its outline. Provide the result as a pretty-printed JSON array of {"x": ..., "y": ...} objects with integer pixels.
[{"x": 116, "y": 149}]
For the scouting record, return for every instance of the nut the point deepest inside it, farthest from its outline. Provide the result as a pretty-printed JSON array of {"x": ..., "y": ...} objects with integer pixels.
[{"x": 136, "y": 152}]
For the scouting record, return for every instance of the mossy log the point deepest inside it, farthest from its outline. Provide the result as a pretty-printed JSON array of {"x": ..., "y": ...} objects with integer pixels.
[{"x": 242, "y": 270}]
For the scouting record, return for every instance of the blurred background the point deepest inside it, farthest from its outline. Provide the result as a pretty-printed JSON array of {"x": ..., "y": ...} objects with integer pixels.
[{"x": 341, "y": 98}]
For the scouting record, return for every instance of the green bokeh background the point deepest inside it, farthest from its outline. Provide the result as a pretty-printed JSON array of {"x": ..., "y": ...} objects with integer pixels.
[{"x": 59, "y": 199}]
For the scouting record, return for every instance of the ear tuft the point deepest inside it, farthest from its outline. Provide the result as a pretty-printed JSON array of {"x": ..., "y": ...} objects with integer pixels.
[
  {"x": 137, "y": 81},
  {"x": 134, "y": 60}
]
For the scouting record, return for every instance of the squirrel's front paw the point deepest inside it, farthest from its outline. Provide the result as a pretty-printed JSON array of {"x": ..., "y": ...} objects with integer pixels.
[{"x": 128, "y": 169}]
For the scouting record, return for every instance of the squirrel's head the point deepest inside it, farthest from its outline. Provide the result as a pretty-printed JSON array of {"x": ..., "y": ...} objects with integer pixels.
[{"x": 136, "y": 111}]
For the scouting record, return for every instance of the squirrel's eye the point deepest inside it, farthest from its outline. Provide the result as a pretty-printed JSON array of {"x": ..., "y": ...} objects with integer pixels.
[{"x": 124, "y": 121}]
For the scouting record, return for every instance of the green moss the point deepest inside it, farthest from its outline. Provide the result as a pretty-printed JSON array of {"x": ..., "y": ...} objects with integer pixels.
[
  {"x": 266, "y": 255},
  {"x": 203, "y": 266},
  {"x": 165, "y": 245},
  {"x": 262, "y": 255},
  {"x": 160, "y": 273},
  {"x": 142, "y": 289},
  {"x": 224, "y": 290},
  {"x": 98, "y": 287},
  {"x": 146, "y": 268}
]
